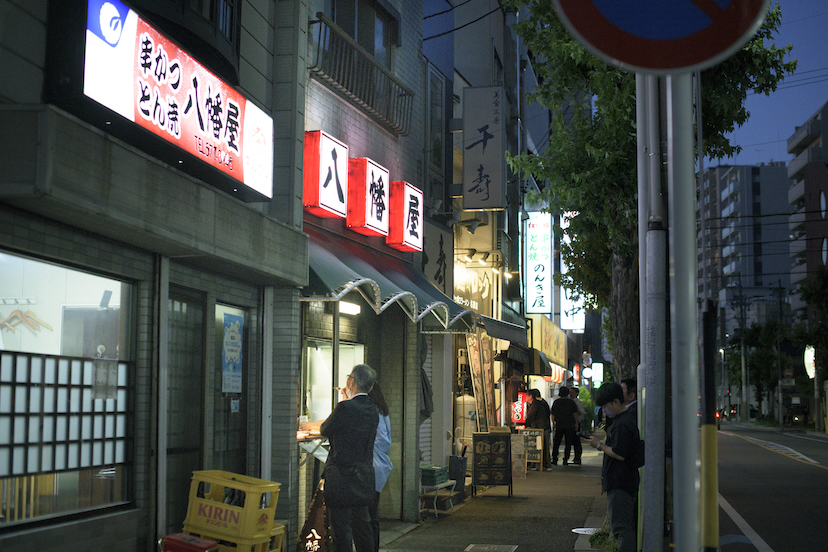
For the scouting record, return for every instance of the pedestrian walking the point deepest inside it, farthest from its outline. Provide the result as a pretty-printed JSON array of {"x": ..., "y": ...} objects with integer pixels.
[
  {"x": 573, "y": 394},
  {"x": 564, "y": 424}
]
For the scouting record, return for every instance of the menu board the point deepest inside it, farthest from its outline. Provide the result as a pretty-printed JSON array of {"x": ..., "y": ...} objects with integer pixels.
[
  {"x": 533, "y": 441},
  {"x": 492, "y": 460}
]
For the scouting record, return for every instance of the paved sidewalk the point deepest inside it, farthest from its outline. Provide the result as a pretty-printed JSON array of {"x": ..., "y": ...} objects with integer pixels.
[{"x": 539, "y": 516}]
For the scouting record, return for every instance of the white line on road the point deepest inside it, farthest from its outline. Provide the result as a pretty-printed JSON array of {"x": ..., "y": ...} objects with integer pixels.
[
  {"x": 817, "y": 439},
  {"x": 740, "y": 522},
  {"x": 782, "y": 449}
]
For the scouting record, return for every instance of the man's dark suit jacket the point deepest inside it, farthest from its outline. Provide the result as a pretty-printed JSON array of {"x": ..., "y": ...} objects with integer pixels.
[{"x": 351, "y": 429}]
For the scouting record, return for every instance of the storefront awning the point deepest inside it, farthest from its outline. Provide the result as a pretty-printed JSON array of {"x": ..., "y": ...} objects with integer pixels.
[
  {"x": 504, "y": 330},
  {"x": 339, "y": 266},
  {"x": 520, "y": 354}
]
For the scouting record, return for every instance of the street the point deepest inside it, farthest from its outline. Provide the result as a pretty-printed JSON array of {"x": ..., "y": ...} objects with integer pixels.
[{"x": 772, "y": 488}]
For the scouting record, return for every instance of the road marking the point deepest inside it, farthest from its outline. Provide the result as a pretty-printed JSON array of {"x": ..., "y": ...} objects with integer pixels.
[
  {"x": 817, "y": 439},
  {"x": 755, "y": 539},
  {"x": 780, "y": 449}
]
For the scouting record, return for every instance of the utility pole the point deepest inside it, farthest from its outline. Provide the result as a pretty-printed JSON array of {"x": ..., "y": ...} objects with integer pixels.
[
  {"x": 744, "y": 407},
  {"x": 779, "y": 358}
]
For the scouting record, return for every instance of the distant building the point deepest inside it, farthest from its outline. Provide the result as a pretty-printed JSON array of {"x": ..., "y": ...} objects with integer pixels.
[
  {"x": 807, "y": 198},
  {"x": 744, "y": 258}
]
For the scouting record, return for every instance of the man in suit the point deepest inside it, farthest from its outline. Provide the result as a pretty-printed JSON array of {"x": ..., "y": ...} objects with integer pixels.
[
  {"x": 349, "y": 474},
  {"x": 537, "y": 417},
  {"x": 630, "y": 388}
]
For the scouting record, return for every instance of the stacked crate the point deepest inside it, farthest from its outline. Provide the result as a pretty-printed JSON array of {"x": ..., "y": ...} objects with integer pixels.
[{"x": 234, "y": 510}]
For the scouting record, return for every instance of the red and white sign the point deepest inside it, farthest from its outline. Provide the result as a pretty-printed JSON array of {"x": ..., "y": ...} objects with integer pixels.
[
  {"x": 134, "y": 70},
  {"x": 662, "y": 37},
  {"x": 325, "y": 178},
  {"x": 367, "y": 197},
  {"x": 519, "y": 409},
  {"x": 406, "y": 217}
]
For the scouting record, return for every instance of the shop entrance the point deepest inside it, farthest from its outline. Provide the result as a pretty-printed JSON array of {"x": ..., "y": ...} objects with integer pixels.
[{"x": 185, "y": 401}]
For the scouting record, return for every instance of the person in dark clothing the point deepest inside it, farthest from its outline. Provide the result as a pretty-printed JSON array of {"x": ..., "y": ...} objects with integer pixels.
[
  {"x": 537, "y": 417},
  {"x": 565, "y": 425},
  {"x": 349, "y": 474},
  {"x": 630, "y": 387},
  {"x": 618, "y": 479}
]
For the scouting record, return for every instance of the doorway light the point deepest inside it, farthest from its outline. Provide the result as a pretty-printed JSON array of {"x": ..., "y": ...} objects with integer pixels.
[{"x": 349, "y": 308}]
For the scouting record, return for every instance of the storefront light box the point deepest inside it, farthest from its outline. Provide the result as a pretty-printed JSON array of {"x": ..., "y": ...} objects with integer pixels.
[{"x": 139, "y": 73}]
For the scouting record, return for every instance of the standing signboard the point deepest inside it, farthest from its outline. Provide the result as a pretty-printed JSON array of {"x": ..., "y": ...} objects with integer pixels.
[
  {"x": 477, "y": 381},
  {"x": 492, "y": 463}
]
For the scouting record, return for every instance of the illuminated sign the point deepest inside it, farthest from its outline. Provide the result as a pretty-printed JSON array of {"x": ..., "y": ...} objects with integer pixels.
[
  {"x": 134, "y": 70},
  {"x": 406, "y": 217},
  {"x": 367, "y": 197},
  {"x": 572, "y": 310},
  {"x": 538, "y": 246},
  {"x": 325, "y": 175},
  {"x": 360, "y": 191},
  {"x": 519, "y": 408}
]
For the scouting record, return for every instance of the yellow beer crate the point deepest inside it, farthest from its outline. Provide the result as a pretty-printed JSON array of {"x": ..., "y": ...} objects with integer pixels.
[
  {"x": 277, "y": 537},
  {"x": 229, "y": 506}
]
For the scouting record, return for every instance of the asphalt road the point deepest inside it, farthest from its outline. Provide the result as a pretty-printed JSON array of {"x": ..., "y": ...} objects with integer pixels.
[{"x": 773, "y": 489}]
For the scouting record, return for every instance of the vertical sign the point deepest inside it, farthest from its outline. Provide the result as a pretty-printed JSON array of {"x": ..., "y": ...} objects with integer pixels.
[
  {"x": 539, "y": 298},
  {"x": 519, "y": 408},
  {"x": 406, "y": 217},
  {"x": 231, "y": 354},
  {"x": 367, "y": 197},
  {"x": 572, "y": 310},
  {"x": 488, "y": 377},
  {"x": 477, "y": 382},
  {"x": 484, "y": 147},
  {"x": 438, "y": 257},
  {"x": 134, "y": 70}
]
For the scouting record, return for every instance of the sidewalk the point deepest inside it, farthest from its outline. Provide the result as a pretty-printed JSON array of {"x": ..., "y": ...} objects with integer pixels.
[{"x": 539, "y": 516}]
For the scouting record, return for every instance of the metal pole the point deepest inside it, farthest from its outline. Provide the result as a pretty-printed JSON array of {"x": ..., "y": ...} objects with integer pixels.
[
  {"x": 683, "y": 327},
  {"x": 655, "y": 330}
]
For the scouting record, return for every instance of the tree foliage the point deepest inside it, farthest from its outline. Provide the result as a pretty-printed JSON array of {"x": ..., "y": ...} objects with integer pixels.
[
  {"x": 589, "y": 167},
  {"x": 814, "y": 292}
]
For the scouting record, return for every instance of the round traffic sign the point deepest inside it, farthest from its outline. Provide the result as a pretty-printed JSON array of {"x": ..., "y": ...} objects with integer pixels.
[{"x": 662, "y": 36}]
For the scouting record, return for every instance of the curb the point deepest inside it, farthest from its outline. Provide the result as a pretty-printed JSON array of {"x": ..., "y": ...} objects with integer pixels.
[{"x": 595, "y": 518}]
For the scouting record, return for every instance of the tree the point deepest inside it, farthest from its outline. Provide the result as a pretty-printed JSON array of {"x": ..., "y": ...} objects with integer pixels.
[
  {"x": 814, "y": 292},
  {"x": 764, "y": 360},
  {"x": 589, "y": 166}
]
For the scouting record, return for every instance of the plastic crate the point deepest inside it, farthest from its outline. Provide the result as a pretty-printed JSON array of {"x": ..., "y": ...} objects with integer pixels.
[
  {"x": 238, "y": 545},
  {"x": 231, "y": 507},
  {"x": 181, "y": 542},
  {"x": 276, "y": 537}
]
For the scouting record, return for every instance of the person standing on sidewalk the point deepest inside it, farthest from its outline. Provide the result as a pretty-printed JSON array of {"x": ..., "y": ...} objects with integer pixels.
[
  {"x": 573, "y": 394},
  {"x": 618, "y": 479},
  {"x": 565, "y": 424},
  {"x": 382, "y": 462},
  {"x": 537, "y": 417},
  {"x": 630, "y": 387}
]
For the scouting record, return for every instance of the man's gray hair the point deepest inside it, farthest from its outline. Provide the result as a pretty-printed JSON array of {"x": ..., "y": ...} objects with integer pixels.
[{"x": 364, "y": 377}]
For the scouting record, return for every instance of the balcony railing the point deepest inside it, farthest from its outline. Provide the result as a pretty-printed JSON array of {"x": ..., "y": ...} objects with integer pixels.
[{"x": 355, "y": 75}]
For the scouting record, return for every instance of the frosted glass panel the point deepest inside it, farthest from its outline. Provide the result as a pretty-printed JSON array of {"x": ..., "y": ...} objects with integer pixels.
[
  {"x": 87, "y": 401},
  {"x": 34, "y": 400},
  {"x": 47, "y": 460},
  {"x": 60, "y": 428},
  {"x": 5, "y": 398},
  {"x": 77, "y": 368},
  {"x": 5, "y": 466},
  {"x": 20, "y": 400},
  {"x": 34, "y": 457},
  {"x": 22, "y": 369},
  {"x": 110, "y": 427},
  {"x": 120, "y": 447},
  {"x": 122, "y": 402},
  {"x": 98, "y": 427},
  {"x": 5, "y": 430},
  {"x": 51, "y": 371},
  {"x": 63, "y": 371},
  {"x": 74, "y": 400},
  {"x": 60, "y": 457},
  {"x": 122, "y": 375},
  {"x": 62, "y": 399},
  {"x": 74, "y": 428},
  {"x": 121, "y": 427},
  {"x": 34, "y": 431},
  {"x": 18, "y": 460},
  {"x": 86, "y": 428},
  {"x": 73, "y": 456},
  {"x": 6, "y": 363},
  {"x": 48, "y": 429},
  {"x": 88, "y": 373},
  {"x": 19, "y": 430},
  {"x": 49, "y": 400},
  {"x": 86, "y": 455},
  {"x": 109, "y": 452},
  {"x": 36, "y": 370},
  {"x": 97, "y": 454}
]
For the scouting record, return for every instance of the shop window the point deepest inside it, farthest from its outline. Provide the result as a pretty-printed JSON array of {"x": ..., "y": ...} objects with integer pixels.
[
  {"x": 209, "y": 29},
  {"x": 65, "y": 364},
  {"x": 319, "y": 382}
]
